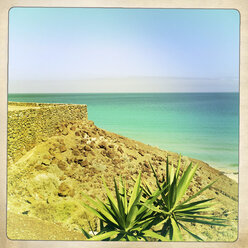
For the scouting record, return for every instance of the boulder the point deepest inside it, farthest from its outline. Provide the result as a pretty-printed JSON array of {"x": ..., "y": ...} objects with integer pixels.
[
  {"x": 65, "y": 190},
  {"x": 120, "y": 150},
  {"x": 87, "y": 148},
  {"x": 102, "y": 145},
  {"x": 75, "y": 152},
  {"x": 84, "y": 163},
  {"x": 110, "y": 154},
  {"x": 62, "y": 148},
  {"x": 61, "y": 164}
]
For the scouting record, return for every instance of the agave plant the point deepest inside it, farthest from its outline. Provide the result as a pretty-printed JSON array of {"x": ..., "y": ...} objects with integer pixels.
[
  {"x": 173, "y": 209},
  {"x": 124, "y": 217}
]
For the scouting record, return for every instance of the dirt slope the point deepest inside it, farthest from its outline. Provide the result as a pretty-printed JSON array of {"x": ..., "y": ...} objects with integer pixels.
[{"x": 47, "y": 182}]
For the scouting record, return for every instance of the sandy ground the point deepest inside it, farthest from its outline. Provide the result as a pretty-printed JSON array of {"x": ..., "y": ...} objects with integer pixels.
[
  {"x": 46, "y": 183},
  {"x": 233, "y": 174},
  {"x": 22, "y": 227},
  {"x": 15, "y": 108}
]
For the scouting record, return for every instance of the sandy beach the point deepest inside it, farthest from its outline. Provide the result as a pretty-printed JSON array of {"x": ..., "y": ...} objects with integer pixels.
[{"x": 233, "y": 174}]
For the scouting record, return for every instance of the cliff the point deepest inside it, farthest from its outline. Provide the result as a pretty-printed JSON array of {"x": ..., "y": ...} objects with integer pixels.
[
  {"x": 46, "y": 181},
  {"x": 29, "y": 123}
]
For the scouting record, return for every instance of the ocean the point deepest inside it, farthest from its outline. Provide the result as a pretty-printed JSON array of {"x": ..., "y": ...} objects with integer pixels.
[{"x": 204, "y": 126}]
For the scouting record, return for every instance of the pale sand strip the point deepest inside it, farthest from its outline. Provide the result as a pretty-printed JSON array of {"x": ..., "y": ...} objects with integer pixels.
[
  {"x": 16, "y": 108},
  {"x": 233, "y": 174}
]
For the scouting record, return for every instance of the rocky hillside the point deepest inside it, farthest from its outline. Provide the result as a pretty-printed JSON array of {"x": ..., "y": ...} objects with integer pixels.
[{"x": 47, "y": 182}]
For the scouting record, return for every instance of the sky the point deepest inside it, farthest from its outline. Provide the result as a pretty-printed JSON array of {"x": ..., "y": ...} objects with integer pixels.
[{"x": 123, "y": 50}]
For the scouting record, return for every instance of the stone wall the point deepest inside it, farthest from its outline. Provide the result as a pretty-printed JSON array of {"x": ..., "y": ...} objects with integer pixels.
[{"x": 29, "y": 123}]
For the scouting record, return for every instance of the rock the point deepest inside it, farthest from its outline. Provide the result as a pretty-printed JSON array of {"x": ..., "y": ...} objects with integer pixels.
[
  {"x": 77, "y": 133},
  {"x": 103, "y": 153},
  {"x": 54, "y": 160},
  {"x": 41, "y": 167},
  {"x": 111, "y": 146},
  {"x": 87, "y": 148},
  {"x": 116, "y": 161},
  {"x": 74, "y": 148},
  {"x": 86, "y": 131},
  {"x": 92, "y": 153},
  {"x": 75, "y": 152},
  {"x": 155, "y": 164},
  {"x": 69, "y": 160},
  {"x": 120, "y": 150},
  {"x": 73, "y": 128},
  {"x": 90, "y": 134},
  {"x": 91, "y": 123},
  {"x": 45, "y": 162},
  {"x": 85, "y": 153},
  {"x": 102, "y": 145},
  {"x": 62, "y": 148},
  {"x": 84, "y": 163},
  {"x": 110, "y": 154},
  {"x": 51, "y": 151},
  {"x": 61, "y": 164},
  {"x": 141, "y": 152},
  {"x": 65, "y": 190},
  {"x": 65, "y": 132},
  {"x": 80, "y": 147},
  {"x": 146, "y": 164},
  {"x": 92, "y": 145},
  {"x": 160, "y": 159},
  {"x": 61, "y": 141},
  {"x": 134, "y": 157},
  {"x": 199, "y": 180}
]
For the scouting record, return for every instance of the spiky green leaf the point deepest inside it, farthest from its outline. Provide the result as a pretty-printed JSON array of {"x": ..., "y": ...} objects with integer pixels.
[
  {"x": 135, "y": 192},
  {"x": 176, "y": 233},
  {"x": 104, "y": 235},
  {"x": 152, "y": 234}
]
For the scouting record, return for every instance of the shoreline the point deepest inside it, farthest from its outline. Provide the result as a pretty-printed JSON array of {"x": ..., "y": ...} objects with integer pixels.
[{"x": 233, "y": 174}]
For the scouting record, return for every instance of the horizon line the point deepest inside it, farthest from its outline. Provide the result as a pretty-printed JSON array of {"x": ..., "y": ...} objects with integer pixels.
[
  {"x": 131, "y": 77},
  {"x": 124, "y": 92}
]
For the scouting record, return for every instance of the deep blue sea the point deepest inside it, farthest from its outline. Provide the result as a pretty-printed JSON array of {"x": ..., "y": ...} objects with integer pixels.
[{"x": 200, "y": 125}]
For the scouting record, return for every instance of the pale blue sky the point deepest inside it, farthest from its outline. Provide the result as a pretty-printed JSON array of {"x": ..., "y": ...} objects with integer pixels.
[{"x": 109, "y": 50}]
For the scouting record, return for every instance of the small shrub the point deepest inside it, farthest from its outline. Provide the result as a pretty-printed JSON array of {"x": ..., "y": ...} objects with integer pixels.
[
  {"x": 124, "y": 218},
  {"x": 170, "y": 208}
]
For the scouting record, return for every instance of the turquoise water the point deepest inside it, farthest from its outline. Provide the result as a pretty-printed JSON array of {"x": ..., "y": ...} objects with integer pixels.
[{"x": 200, "y": 125}]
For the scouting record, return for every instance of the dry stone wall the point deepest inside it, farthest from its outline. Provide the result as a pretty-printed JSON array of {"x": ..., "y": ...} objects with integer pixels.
[{"x": 28, "y": 126}]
